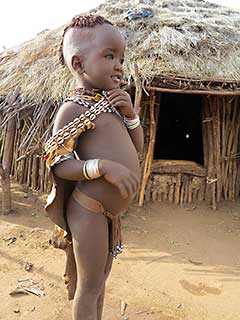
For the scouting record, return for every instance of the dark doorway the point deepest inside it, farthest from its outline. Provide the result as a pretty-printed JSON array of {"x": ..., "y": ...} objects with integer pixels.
[{"x": 179, "y": 132}]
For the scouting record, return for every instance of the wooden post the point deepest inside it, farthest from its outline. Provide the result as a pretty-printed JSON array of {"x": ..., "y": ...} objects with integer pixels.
[
  {"x": 149, "y": 157},
  {"x": 138, "y": 92},
  {"x": 5, "y": 167},
  {"x": 178, "y": 194}
]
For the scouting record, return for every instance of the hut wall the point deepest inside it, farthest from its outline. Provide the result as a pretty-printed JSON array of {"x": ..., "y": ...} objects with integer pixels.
[
  {"x": 221, "y": 121},
  {"x": 220, "y": 180},
  {"x": 28, "y": 166},
  {"x": 174, "y": 182},
  {"x": 175, "y": 188}
]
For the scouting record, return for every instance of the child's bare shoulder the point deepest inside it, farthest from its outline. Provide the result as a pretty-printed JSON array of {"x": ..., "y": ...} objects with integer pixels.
[{"x": 66, "y": 113}]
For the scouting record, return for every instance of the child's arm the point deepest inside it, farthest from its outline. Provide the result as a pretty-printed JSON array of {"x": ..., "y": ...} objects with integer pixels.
[
  {"x": 122, "y": 100},
  {"x": 137, "y": 137},
  {"x": 72, "y": 169}
]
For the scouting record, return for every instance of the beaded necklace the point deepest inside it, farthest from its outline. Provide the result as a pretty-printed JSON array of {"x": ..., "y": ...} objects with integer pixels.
[
  {"x": 93, "y": 95},
  {"x": 88, "y": 98},
  {"x": 62, "y": 142}
]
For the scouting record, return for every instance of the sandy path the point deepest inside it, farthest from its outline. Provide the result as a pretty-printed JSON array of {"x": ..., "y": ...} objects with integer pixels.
[{"x": 178, "y": 264}]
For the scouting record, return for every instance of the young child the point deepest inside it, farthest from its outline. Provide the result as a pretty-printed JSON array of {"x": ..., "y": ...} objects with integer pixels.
[{"x": 96, "y": 137}]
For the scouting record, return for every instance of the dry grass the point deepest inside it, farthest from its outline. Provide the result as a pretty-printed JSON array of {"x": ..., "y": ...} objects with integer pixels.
[{"x": 191, "y": 38}]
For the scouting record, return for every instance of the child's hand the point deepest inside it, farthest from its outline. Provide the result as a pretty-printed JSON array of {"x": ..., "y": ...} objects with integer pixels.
[
  {"x": 121, "y": 177},
  {"x": 122, "y": 101}
]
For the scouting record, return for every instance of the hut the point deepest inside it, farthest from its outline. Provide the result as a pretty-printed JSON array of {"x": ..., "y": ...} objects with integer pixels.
[{"x": 183, "y": 69}]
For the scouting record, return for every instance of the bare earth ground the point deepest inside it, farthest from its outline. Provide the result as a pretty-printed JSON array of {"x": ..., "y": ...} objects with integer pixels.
[{"x": 178, "y": 264}]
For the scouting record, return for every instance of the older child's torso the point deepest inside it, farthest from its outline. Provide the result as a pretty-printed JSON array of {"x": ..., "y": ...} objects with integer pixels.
[{"x": 109, "y": 140}]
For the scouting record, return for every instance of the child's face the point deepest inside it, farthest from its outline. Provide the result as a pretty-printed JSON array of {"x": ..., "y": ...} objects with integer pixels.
[{"x": 102, "y": 65}]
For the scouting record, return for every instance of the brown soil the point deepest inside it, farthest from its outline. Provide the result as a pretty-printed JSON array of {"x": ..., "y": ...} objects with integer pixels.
[{"x": 179, "y": 263}]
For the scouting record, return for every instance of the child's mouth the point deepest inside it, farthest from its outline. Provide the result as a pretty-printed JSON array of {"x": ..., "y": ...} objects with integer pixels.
[{"x": 116, "y": 78}]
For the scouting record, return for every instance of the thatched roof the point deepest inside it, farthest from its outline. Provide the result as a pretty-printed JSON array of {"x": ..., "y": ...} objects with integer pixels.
[{"x": 190, "y": 39}]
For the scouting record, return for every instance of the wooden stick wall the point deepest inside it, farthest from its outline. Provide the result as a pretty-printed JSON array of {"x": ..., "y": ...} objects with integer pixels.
[
  {"x": 220, "y": 128},
  {"x": 176, "y": 188},
  {"x": 28, "y": 166},
  {"x": 221, "y": 122}
]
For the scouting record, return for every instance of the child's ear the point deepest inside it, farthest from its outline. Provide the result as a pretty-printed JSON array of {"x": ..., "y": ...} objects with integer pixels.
[{"x": 77, "y": 64}]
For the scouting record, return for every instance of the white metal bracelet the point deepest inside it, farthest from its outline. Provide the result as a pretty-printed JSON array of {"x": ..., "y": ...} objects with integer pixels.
[
  {"x": 91, "y": 169},
  {"x": 132, "y": 123}
]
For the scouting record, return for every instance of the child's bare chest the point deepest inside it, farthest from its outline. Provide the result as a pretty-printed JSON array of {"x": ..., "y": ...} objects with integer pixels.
[{"x": 109, "y": 140}]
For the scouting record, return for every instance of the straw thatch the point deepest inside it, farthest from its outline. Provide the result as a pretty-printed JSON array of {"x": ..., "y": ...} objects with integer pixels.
[{"x": 188, "y": 38}]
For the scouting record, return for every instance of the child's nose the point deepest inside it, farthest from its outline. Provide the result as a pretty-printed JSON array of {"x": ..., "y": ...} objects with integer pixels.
[{"x": 118, "y": 66}]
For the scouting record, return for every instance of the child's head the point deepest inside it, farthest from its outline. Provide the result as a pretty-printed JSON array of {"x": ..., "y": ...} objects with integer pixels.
[{"x": 93, "y": 50}]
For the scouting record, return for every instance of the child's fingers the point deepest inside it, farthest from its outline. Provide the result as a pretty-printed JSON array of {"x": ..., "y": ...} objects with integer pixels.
[
  {"x": 119, "y": 96},
  {"x": 127, "y": 187},
  {"x": 115, "y": 93},
  {"x": 122, "y": 189},
  {"x": 136, "y": 183},
  {"x": 130, "y": 186},
  {"x": 119, "y": 102}
]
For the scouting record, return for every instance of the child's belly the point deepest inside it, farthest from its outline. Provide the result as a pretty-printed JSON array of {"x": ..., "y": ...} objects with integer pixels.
[{"x": 109, "y": 140}]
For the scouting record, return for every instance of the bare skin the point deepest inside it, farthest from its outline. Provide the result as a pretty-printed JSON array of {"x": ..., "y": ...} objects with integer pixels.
[{"x": 116, "y": 147}]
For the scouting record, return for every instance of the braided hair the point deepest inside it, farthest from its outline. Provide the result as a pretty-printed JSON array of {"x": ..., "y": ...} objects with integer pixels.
[{"x": 81, "y": 21}]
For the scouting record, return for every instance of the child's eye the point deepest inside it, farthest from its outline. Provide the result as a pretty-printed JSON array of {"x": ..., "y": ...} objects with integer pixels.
[
  {"x": 109, "y": 56},
  {"x": 122, "y": 61}
]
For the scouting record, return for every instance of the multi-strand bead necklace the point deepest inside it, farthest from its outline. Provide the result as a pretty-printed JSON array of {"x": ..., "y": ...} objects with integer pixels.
[{"x": 80, "y": 124}]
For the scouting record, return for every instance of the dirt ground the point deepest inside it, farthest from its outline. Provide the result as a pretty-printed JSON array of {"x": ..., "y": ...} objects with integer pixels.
[{"x": 179, "y": 263}]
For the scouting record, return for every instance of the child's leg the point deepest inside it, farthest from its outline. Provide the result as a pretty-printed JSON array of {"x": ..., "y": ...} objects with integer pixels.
[
  {"x": 90, "y": 243},
  {"x": 100, "y": 304},
  {"x": 71, "y": 279},
  {"x": 101, "y": 297}
]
